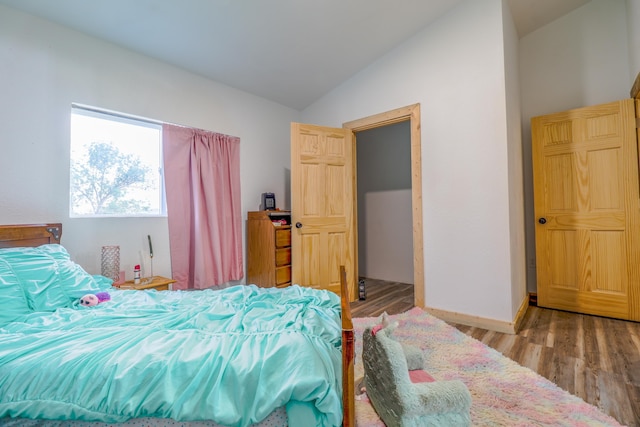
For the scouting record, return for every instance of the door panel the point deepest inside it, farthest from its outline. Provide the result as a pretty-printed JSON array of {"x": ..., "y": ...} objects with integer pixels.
[
  {"x": 587, "y": 210},
  {"x": 564, "y": 268},
  {"x": 605, "y": 193},
  {"x": 322, "y": 193}
]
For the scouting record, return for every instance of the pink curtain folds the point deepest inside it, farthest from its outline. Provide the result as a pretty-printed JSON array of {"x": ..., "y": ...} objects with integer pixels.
[{"x": 202, "y": 182}]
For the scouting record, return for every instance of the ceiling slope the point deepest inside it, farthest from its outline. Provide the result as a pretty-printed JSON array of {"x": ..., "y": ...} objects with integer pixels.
[{"x": 289, "y": 51}]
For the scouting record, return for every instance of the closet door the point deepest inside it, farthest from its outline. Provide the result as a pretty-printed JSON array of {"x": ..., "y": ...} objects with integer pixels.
[{"x": 585, "y": 166}]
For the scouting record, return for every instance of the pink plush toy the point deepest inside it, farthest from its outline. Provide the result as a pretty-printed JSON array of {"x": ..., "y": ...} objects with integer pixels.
[{"x": 90, "y": 300}]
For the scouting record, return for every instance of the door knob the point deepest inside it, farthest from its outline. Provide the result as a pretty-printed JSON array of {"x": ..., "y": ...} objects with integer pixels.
[
  {"x": 542, "y": 220},
  {"x": 298, "y": 225}
]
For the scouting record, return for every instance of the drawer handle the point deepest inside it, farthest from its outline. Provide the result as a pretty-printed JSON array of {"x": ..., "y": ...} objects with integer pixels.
[{"x": 298, "y": 225}]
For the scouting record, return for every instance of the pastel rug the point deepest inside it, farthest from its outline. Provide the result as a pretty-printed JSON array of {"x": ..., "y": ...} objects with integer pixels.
[{"x": 504, "y": 393}]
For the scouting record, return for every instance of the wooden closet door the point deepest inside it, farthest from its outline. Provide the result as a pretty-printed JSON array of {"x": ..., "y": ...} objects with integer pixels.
[{"x": 585, "y": 166}]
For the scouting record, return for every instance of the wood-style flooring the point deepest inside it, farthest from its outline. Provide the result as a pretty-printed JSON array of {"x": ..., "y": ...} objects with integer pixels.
[
  {"x": 595, "y": 358},
  {"x": 381, "y": 296}
]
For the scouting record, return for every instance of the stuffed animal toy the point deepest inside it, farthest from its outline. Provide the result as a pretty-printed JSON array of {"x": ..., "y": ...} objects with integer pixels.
[
  {"x": 90, "y": 300},
  {"x": 401, "y": 392}
]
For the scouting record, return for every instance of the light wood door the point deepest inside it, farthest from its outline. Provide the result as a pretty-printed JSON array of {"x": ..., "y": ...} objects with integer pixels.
[
  {"x": 322, "y": 213},
  {"x": 585, "y": 166}
]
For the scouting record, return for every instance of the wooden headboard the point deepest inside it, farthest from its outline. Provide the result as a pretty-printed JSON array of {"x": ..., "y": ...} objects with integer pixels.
[{"x": 29, "y": 234}]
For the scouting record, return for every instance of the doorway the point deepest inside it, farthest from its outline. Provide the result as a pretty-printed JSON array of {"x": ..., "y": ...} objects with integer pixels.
[
  {"x": 385, "y": 239},
  {"x": 410, "y": 114}
]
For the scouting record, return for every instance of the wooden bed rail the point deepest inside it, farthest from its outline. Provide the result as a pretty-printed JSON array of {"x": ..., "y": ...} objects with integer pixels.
[{"x": 348, "y": 354}]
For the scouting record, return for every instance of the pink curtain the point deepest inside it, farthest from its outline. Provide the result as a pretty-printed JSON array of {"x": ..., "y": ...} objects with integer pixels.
[{"x": 202, "y": 182}]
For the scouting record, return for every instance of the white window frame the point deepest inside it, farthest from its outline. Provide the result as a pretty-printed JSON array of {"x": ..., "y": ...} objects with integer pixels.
[{"x": 127, "y": 119}]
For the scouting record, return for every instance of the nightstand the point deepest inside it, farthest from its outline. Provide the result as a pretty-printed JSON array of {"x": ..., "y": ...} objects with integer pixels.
[{"x": 158, "y": 283}]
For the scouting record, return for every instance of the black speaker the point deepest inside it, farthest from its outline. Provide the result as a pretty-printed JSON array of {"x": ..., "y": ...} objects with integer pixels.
[{"x": 268, "y": 201}]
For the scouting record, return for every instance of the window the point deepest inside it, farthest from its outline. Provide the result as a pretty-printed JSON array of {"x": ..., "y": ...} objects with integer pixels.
[{"x": 116, "y": 165}]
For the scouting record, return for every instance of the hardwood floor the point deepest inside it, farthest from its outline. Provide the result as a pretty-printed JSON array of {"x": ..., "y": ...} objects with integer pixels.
[
  {"x": 595, "y": 358},
  {"x": 392, "y": 297}
]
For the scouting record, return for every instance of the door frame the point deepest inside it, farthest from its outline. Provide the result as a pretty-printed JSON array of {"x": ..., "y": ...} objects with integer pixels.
[{"x": 409, "y": 113}]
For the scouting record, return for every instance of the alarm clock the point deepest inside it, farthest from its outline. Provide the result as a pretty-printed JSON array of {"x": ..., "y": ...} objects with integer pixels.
[{"x": 268, "y": 201}]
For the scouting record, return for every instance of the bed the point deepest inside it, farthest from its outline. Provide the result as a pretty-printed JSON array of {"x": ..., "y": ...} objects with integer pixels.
[{"x": 234, "y": 357}]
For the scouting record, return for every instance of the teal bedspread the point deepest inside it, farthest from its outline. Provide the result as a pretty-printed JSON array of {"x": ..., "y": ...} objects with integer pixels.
[{"x": 231, "y": 356}]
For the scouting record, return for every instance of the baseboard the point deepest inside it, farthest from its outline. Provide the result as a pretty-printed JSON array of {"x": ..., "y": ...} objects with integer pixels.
[{"x": 483, "y": 322}]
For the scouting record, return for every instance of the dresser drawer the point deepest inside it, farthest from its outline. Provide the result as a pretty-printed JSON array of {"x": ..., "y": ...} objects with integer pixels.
[
  {"x": 283, "y": 238},
  {"x": 283, "y": 275},
  {"x": 283, "y": 257}
]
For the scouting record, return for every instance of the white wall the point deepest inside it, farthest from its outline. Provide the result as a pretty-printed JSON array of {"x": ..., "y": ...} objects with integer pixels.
[
  {"x": 455, "y": 70},
  {"x": 383, "y": 158},
  {"x": 45, "y": 67},
  {"x": 389, "y": 236},
  {"x": 578, "y": 60},
  {"x": 633, "y": 29},
  {"x": 515, "y": 168}
]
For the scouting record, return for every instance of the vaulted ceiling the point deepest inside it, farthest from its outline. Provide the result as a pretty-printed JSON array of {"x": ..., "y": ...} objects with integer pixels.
[{"x": 289, "y": 51}]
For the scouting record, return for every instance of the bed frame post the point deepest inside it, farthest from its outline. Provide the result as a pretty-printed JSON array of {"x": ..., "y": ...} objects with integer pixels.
[{"x": 348, "y": 354}]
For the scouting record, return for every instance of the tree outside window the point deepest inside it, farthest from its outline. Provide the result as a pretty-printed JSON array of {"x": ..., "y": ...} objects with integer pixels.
[{"x": 115, "y": 166}]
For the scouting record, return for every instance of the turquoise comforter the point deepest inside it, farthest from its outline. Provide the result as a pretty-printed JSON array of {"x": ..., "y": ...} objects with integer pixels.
[{"x": 231, "y": 356}]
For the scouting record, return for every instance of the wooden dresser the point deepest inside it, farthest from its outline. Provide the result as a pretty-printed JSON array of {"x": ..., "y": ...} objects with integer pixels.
[{"x": 269, "y": 248}]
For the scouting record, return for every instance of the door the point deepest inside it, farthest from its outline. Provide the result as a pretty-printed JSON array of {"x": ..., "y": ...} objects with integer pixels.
[
  {"x": 585, "y": 166},
  {"x": 322, "y": 199},
  {"x": 412, "y": 114}
]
